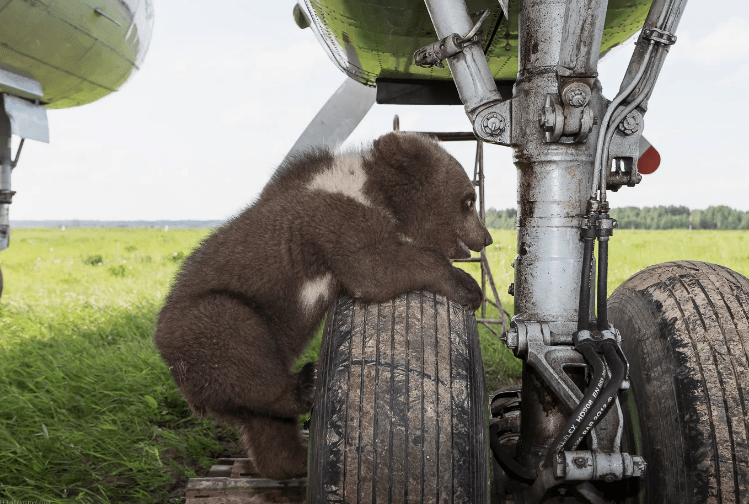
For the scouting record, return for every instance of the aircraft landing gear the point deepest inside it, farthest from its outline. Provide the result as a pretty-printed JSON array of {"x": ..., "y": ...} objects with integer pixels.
[{"x": 25, "y": 119}]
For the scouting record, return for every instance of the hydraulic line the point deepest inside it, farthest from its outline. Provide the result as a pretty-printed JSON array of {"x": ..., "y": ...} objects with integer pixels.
[
  {"x": 586, "y": 403},
  {"x": 603, "y": 271},
  {"x": 597, "y": 170},
  {"x": 607, "y": 397},
  {"x": 608, "y": 126}
]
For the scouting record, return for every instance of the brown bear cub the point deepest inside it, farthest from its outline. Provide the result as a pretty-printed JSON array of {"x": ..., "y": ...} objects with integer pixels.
[{"x": 372, "y": 225}]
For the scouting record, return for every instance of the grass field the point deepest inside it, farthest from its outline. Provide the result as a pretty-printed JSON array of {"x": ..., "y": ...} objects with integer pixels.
[{"x": 90, "y": 412}]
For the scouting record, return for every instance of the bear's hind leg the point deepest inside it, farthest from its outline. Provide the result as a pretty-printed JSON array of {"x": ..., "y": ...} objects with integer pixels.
[
  {"x": 229, "y": 362},
  {"x": 276, "y": 446}
]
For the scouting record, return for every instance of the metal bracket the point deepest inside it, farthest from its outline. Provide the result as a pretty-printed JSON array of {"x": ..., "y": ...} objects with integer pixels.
[
  {"x": 596, "y": 465},
  {"x": 6, "y": 196},
  {"x": 493, "y": 124},
  {"x": 624, "y": 150},
  {"x": 27, "y": 119},
  {"x": 435, "y": 53},
  {"x": 572, "y": 119},
  {"x": 551, "y": 119},
  {"x": 659, "y": 36},
  {"x": 20, "y": 85}
]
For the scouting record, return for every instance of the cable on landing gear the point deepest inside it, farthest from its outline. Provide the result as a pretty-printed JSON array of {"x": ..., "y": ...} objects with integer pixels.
[
  {"x": 606, "y": 398},
  {"x": 586, "y": 404},
  {"x": 596, "y": 399}
]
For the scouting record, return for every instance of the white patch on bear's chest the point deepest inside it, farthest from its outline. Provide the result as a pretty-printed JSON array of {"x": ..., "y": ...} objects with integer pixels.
[
  {"x": 315, "y": 290},
  {"x": 346, "y": 177}
]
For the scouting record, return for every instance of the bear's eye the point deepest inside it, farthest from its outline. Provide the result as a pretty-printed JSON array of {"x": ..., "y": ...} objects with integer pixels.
[{"x": 469, "y": 204}]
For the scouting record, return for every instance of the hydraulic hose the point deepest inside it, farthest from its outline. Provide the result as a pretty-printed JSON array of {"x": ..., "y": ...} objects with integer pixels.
[
  {"x": 603, "y": 270},
  {"x": 599, "y": 161},
  {"x": 586, "y": 403},
  {"x": 607, "y": 397}
]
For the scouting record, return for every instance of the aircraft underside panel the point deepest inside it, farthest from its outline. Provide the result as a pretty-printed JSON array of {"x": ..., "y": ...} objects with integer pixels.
[
  {"x": 371, "y": 40},
  {"x": 77, "y": 50}
]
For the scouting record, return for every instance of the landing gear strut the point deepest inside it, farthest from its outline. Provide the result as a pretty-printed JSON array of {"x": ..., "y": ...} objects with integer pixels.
[
  {"x": 26, "y": 119},
  {"x": 568, "y": 441}
]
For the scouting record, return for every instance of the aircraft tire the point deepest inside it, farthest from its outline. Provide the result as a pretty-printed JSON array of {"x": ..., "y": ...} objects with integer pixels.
[
  {"x": 685, "y": 331},
  {"x": 400, "y": 409}
]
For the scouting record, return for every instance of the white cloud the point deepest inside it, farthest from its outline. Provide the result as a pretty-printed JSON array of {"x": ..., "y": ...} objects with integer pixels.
[{"x": 728, "y": 41}]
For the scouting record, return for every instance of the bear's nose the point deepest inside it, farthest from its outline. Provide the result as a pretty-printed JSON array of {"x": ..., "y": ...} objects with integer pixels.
[{"x": 488, "y": 240}]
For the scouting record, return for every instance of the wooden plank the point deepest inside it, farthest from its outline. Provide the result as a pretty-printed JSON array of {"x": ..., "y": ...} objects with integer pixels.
[{"x": 234, "y": 481}]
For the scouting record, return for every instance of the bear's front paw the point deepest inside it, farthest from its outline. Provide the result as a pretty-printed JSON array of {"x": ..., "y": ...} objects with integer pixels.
[
  {"x": 467, "y": 292},
  {"x": 306, "y": 386}
]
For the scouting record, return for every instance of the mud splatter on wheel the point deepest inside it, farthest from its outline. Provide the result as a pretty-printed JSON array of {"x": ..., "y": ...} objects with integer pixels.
[
  {"x": 685, "y": 331},
  {"x": 400, "y": 411}
]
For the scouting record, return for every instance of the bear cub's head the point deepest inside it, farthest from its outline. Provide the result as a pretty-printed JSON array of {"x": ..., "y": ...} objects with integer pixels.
[{"x": 429, "y": 194}]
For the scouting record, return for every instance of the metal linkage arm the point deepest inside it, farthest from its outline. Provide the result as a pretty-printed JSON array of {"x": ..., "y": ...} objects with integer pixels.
[
  {"x": 469, "y": 67},
  {"x": 459, "y": 43}
]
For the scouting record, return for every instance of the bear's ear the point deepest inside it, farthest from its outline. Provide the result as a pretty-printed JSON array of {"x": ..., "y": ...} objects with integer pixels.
[{"x": 406, "y": 153}]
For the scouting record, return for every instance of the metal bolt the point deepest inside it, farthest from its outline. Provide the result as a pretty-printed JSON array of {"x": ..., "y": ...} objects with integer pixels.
[
  {"x": 609, "y": 478},
  {"x": 576, "y": 94},
  {"x": 639, "y": 465},
  {"x": 493, "y": 124},
  {"x": 510, "y": 338},
  {"x": 548, "y": 118},
  {"x": 630, "y": 124},
  {"x": 580, "y": 462}
]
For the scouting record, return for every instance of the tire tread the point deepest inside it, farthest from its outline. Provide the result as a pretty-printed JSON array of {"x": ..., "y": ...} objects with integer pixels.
[
  {"x": 409, "y": 369},
  {"x": 690, "y": 334}
]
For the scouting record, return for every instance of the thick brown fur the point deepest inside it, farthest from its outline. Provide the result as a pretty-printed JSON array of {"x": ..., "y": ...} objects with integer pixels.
[{"x": 373, "y": 225}]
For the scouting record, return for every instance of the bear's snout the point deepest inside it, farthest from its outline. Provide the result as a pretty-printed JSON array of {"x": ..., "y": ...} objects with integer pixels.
[{"x": 475, "y": 235}]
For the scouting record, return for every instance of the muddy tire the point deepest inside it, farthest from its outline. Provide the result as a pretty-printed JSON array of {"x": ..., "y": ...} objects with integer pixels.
[
  {"x": 685, "y": 331},
  {"x": 400, "y": 411}
]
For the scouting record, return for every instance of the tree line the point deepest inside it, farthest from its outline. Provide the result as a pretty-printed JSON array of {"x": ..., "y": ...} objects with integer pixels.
[{"x": 660, "y": 217}]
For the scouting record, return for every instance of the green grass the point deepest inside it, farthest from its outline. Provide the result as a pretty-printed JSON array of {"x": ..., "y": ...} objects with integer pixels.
[{"x": 90, "y": 413}]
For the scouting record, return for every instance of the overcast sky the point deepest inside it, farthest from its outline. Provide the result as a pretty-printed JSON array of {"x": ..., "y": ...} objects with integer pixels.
[{"x": 227, "y": 88}]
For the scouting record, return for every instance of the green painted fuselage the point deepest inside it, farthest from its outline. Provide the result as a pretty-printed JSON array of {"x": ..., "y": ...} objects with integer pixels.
[
  {"x": 78, "y": 50},
  {"x": 370, "y": 39}
]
